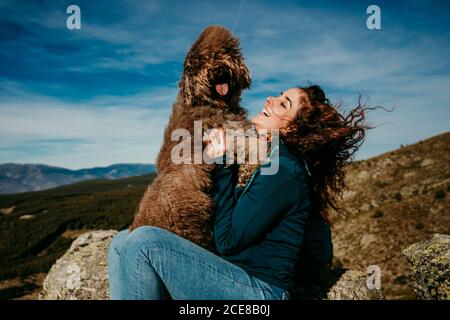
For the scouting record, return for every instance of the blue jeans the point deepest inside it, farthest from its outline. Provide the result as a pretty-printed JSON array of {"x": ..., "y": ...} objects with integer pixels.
[{"x": 152, "y": 263}]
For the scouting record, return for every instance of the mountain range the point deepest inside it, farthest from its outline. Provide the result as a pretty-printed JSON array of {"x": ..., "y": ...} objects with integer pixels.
[{"x": 16, "y": 178}]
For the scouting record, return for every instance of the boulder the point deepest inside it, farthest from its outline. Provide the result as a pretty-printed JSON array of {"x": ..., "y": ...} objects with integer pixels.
[
  {"x": 82, "y": 274},
  {"x": 352, "y": 285},
  {"x": 430, "y": 267}
]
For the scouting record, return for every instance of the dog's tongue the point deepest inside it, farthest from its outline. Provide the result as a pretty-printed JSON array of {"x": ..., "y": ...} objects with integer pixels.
[{"x": 222, "y": 89}]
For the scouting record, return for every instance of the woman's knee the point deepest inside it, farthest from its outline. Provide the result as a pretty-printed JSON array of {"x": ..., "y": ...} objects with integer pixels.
[
  {"x": 118, "y": 241},
  {"x": 149, "y": 236}
]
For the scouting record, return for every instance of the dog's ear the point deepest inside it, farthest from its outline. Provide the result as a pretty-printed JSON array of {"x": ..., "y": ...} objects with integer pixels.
[
  {"x": 245, "y": 79},
  {"x": 185, "y": 86},
  {"x": 191, "y": 66}
]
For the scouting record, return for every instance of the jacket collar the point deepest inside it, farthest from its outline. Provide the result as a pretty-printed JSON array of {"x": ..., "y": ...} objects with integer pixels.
[
  {"x": 279, "y": 148},
  {"x": 282, "y": 149}
]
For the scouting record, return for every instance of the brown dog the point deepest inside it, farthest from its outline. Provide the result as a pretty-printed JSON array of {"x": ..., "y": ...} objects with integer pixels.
[{"x": 214, "y": 75}]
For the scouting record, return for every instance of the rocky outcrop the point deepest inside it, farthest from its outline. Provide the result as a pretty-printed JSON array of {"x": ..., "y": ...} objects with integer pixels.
[
  {"x": 393, "y": 201},
  {"x": 430, "y": 267},
  {"x": 82, "y": 274},
  {"x": 352, "y": 285}
]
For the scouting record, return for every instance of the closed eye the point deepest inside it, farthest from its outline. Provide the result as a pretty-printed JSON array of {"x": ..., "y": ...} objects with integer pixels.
[{"x": 282, "y": 104}]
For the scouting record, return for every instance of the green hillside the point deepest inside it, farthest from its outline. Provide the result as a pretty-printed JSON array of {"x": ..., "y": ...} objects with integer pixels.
[{"x": 36, "y": 228}]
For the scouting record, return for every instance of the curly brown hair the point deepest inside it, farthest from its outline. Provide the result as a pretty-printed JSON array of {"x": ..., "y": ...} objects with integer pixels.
[{"x": 327, "y": 141}]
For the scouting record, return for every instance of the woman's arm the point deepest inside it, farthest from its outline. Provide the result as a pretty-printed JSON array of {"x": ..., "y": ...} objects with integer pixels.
[{"x": 240, "y": 223}]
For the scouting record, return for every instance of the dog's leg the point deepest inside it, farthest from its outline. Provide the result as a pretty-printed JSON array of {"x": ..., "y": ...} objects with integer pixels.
[{"x": 185, "y": 200}]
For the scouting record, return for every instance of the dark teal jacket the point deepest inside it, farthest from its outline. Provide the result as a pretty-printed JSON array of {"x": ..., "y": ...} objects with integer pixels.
[{"x": 262, "y": 227}]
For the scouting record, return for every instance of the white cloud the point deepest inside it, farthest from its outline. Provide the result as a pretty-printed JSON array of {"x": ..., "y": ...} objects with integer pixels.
[{"x": 102, "y": 131}]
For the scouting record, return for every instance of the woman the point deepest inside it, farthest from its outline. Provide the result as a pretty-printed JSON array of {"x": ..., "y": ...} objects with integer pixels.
[{"x": 263, "y": 232}]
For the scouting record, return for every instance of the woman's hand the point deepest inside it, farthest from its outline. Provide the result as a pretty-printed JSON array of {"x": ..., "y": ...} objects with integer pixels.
[{"x": 216, "y": 143}]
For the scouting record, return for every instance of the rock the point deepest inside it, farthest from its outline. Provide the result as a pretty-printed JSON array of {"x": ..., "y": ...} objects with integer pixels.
[
  {"x": 82, "y": 272},
  {"x": 430, "y": 267},
  {"x": 426, "y": 162},
  {"x": 26, "y": 217},
  {"x": 352, "y": 285},
  {"x": 367, "y": 240},
  {"x": 7, "y": 210}
]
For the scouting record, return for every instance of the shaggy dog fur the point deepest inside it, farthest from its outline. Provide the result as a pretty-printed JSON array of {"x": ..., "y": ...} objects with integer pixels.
[{"x": 179, "y": 199}]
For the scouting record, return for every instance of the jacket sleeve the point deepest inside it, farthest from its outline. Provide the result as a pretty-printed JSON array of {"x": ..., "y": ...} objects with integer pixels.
[{"x": 241, "y": 222}]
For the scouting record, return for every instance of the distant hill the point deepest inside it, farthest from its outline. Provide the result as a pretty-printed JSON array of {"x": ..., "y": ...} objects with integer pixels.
[
  {"x": 15, "y": 178},
  {"x": 36, "y": 228},
  {"x": 394, "y": 200}
]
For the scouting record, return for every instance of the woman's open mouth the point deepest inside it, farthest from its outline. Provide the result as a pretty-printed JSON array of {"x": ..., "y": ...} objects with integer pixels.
[{"x": 265, "y": 113}]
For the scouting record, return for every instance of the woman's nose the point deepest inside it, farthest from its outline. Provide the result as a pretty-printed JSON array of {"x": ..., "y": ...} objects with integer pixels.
[{"x": 269, "y": 101}]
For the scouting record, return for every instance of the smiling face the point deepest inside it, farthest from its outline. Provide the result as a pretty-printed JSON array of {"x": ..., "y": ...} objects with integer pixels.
[{"x": 278, "y": 112}]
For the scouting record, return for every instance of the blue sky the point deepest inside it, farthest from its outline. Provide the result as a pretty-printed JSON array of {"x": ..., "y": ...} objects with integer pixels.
[{"x": 103, "y": 94}]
